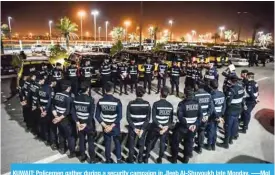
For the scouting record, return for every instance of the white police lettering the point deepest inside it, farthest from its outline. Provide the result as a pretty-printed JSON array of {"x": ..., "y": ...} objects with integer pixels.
[
  {"x": 219, "y": 101},
  {"x": 240, "y": 92},
  {"x": 164, "y": 112},
  {"x": 42, "y": 94},
  {"x": 32, "y": 69},
  {"x": 59, "y": 98},
  {"x": 204, "y": 100},
  {"x": 81, "y": 108},
  {"x": 108, "y": 108},
  {"x": 192, "y": 107}
]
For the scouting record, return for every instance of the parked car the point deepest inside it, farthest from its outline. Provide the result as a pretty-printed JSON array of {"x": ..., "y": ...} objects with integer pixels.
[
  {"x": 237, "y": 60},
  {"x": 9, "y": 64},
  {"x": 38, "y": 48}
]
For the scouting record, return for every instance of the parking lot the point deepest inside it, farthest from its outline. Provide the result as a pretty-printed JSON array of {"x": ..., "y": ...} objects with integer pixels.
[{"x": 19, "y": 146}]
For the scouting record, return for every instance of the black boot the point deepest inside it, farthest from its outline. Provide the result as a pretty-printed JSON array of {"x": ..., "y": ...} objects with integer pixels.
[
  {"x": 185, "y": 159},
  {"x": 119, "y": 161},
  {"x": 230, "y": 141},
  {"x": 71, "y": 155},
  {"x": 207, "y": 147},
  {"x": 83, "y": 158},
  {"x": 159, "y": 160},
  {"x": 198, "y": 149},
  {"x": 223, "y": 145},
  {"x": 213, "y": 146},
  {"x": 172, "y": 159},
  {"x": 157, "y": 92},
  {"x": 53, "y": 147},
  {"x": 62, "y": 150},
  {"x": 129, "y": 160}
]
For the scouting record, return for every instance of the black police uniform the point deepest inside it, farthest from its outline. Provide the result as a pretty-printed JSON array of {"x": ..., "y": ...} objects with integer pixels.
[
  {"x": 24, "y": 96},
  {"x": 234, "y": 106},
  {"x": 210, "y": 75},
  {"x": 138, "y": 117},
  {"x": 133, "y": 75},
  {"x": 175, "y": 77},
  {"x": 72, "y": 75},
  {"x": 189, "y": 113},
  {"x": 251, "y": 95},
  {"x": 109, "y": 111},
  {"x": 45, "y": 101},
  {"x": 162, "y": 73},
  {"x": 62, "y": 104},
  {"x": 105, "y": 71},
  {"x": 35, "y": 111},
  {"x": 162, "y": 115},
  {"x": 122, "y": 71},
  {"x": 196, "y": 75},
  {"x": 188, "y": 79},
  {"x": 206, "y": 103},
  {"x": 114, "y": 74},
  {"x": 83, "y": 112},
  {"x": 148, "y": 75},
  {"x": 226, "y": 84},
  {"x": 218, "y": 98},
  {"x": 53, "y": 127},
  {"x": 58, "y": 75}
]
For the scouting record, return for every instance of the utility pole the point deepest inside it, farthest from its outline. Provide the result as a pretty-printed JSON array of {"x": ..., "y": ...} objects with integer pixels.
[{"x": 140, "y": 25}]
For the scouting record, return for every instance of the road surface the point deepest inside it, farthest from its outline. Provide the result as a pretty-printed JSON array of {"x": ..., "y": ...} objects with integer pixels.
[{"x": 19, "y": 146}]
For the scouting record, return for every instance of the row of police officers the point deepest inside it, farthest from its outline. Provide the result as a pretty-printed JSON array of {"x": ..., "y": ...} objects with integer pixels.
[{"x": 58, "y": 118}]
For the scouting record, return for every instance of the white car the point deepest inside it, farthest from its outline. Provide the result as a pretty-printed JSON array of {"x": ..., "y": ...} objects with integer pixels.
[
  {"x": 237, "y": 60},
  {"x": 38, "y": 48}
]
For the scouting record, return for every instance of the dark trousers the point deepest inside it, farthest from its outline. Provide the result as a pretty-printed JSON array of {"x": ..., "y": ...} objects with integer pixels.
[
  {"x": 123, "y": 83},
  {"x": 34, "y": 121},
  {"x": 147, "y": 80},
  {"x": 189, "y": 82},
  {"x": 141, "y": 144},
  {"x": 212, "y": 132},
  {"x": 201, "y": 132},
  {"x": 188, "y": 142},
  {"x": 114, "y": 79},
  {"x": 246, "y": 114},
  {"x": 107, "y": 140},
  {"x": 231, "y": 126},
  {"x": 65, "y": 134},
  {"x": 133, "y": 81},
  {"x": 91, "y": 147},
  {"x": 105, "y": 79},
  {"x": 151, "y": 139},
  {"x": 44, "y": 123},
  {"x": 174, "y": 82},
  {"x": 26, "y": 115},
  {"x": 53, "y": 131},
  {"x": 75, "y": 87},
  {"x": 161, "y": 80}
]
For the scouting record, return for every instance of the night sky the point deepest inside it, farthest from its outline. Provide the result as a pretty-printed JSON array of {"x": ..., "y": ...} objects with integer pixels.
[{"x": 200, "y": 16}]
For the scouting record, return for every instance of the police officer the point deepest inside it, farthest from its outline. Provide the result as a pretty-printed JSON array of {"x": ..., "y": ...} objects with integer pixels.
[
  {"x": 133, "y": 74},
  {"x": 206, "y": 103},
  {"x": 109, "y": 114},
  {"x": 86, "y": 71},
  {"x": 114, "y": 72},
  {"x": 162, "y": 115},
  {"x": 188, "y": 79},
  {"x": 52, "y": 127},
  {"x": 216, "y": 117},
  {"x": 122, "y": 71},
  {"x": 33, "y": 96},
  {"x": 57, "y": 73},
  {"x": 234, "y": 105},
  {"x": 105, "y": 71},
  {"x": 175, "y": 76},
  {"x": 45, "y": 98},
  {"x": 44, "y": 71},
  {"x": 252, "y": 93},
  {"x": 83, "y": 115},
  {"x": 162, "y": 73},
  {"x": 196, "y": 73},
  {"x": 72, "y": 75},
  {"x": 148, "y": 74},
  {"x": 24, "y": 97},
  {"x": 138, "y": 116},
  {"x": 244, "y": 77},
  {"x": 189, "y": 115},
  {"x": 211, "y": 74},
  {"x": 61, "y": 108}
]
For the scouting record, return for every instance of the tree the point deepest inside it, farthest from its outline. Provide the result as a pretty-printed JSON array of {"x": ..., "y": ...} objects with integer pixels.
[
  {"x": 117, "y": 47},
  {"x": 155, "y": 32},
  {"x": 133, "y": 37},
  {"x": 229, "y": 35},
  {"x": 4, "y": 33},
  {"x": 117, "y": 34},
  {"x": 158, "y": 46},
  {"x": 265, "y": 39},
  {"x": 182, "y": 39},
  {"x": 67, "y": 29},
  {"x": 215, "y": 37},
  {"x": 255, "y": 28}
]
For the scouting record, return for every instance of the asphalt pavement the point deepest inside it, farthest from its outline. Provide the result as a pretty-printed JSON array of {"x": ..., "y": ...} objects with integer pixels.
[{"x": 19, "y": 146}]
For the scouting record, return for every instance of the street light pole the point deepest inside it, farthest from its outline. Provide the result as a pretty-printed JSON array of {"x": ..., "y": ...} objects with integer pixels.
[
  {"x": 50, "y": 26},
  {"x": 99, "y": 28},
  {"x": 9, "y": 19},
  {"x": 171, "y": 24},
  {"x": 140, "y": 25},
  {"x": 95, "y": 13},
  {"x": 106, "y": 27},
  {"x": 240, "y": 24}
]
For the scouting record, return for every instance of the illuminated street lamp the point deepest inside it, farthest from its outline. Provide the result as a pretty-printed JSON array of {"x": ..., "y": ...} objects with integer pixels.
[
  {"x": 221, "y": 29},
  {"x": 50, "y": 26},
  {"x": 9, "y": 20},
  {"x": 87, "y": 34},
  {"x": 30, "y": 35},
  {"x": 95, "y": 13},
  {"x": 193, "y": 34},
  {"x": 81, "y": 14},
  {"x": 106, "y": 32},
  {"x": 171, "y": 24},
  {"x": 260, "y": 33},
  {"x": 127, "y": 24},
  {"x": 16, "y": 35},
  {"x": 99, "y": 28}
]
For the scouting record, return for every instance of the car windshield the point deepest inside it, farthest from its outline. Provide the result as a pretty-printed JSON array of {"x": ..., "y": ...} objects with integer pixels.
[
  {"x": 236, "y": 55},
  {"x": 6, "y": 60},
  {"x": 37, "y": 67}
]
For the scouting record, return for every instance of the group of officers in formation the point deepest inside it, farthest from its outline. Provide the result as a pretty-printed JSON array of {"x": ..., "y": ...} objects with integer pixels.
[{"x": 59, "y": 110}]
